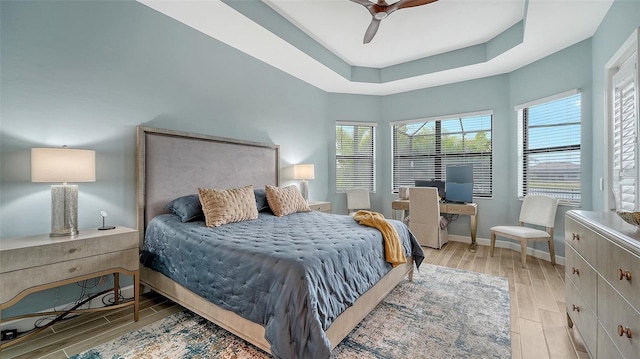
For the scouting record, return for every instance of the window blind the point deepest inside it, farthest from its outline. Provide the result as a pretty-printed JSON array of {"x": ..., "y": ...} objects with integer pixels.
[
  {"x": 422, "y": 149},
  {"x": 625, "y": 140},
  {"x": 549, "y": 149},
  {"x": 355, "y": 156}
]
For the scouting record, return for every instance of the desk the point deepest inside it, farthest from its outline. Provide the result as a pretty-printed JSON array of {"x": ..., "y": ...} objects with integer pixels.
[{"x": 467, "y": 209}]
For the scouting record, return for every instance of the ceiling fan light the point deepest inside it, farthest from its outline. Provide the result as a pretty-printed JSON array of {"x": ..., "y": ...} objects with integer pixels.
[{"x": 380, "y": 15}]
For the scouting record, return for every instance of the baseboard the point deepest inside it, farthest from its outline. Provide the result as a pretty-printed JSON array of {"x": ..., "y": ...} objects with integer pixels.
[
  {"x": 26, "y": 324},
  {"x": 507, "y": 244}
]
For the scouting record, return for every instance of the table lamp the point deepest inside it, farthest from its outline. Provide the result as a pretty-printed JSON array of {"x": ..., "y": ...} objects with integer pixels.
[
  {"x": 63, "y": 165},
  {"x": 304, "y": 172}
]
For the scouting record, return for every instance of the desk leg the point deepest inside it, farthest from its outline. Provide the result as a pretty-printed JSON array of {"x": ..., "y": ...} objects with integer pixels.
[
  {"x": 474, "y": 231},
  {"x": 394, "y": 214}
]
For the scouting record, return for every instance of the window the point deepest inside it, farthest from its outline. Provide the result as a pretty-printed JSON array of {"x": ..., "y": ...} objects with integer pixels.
[
  {"x": 355, "y": 156},
  {"x": 549, "y": 147},
  {"x": 423, "y": 148},
  {"x": 622, "y": 127}
]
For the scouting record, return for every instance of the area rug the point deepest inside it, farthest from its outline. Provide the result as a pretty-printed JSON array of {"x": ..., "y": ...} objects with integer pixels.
[{"x": 443, "y": 313}]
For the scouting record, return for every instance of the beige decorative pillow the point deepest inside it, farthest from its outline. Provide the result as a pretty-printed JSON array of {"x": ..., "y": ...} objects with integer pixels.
[
  {"x": 227, "y": 206},
  {"x": 286, "y": 200}
]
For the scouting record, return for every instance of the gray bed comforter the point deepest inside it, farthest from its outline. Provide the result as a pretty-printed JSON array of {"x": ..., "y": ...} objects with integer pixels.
[{"x": 293, "y": 275}]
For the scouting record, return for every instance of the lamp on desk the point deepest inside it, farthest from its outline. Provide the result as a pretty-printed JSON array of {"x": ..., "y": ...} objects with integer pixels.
[
  {"x": 304, "y": 172},
  {"x": 63, "y": 165}
]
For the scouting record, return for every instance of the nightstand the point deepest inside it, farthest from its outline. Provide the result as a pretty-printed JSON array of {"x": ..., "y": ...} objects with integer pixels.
[
  {"x": 320, "y": 206},
  {"x": 35, "y": 263}
]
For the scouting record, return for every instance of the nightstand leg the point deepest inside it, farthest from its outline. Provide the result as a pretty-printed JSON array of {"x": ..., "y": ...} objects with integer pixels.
[
  {"x": 116, "y": 288},
  {"x": 136, "y": 294}
]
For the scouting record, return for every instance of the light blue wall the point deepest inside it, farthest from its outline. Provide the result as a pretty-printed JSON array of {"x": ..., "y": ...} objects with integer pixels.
[
  {"x": 85, "y": 74},
  {"x": 557, "y": 73}
]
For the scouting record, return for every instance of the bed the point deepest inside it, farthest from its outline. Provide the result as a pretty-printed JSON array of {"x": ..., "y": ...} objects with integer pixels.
[{"x": 304, "y": 320}]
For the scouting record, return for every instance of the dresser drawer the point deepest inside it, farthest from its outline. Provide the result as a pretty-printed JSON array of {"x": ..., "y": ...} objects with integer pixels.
[
  {"x": 20, "y": 280},
  {"x": 614, "y": 311},
  {"x": 582, "y": 275},
  {"x": 41, "y": 250},
  {"x": 581, "y": 315},
  {"x": 615, "y": 264},
  {"x": 582, "y": 239},
  {"x": 606, "y": 348}
]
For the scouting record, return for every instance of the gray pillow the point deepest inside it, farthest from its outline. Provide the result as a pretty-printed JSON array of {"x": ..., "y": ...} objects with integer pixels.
[
  {"x": 261, "y": 199},
  {"x": 188, "y": 208}
]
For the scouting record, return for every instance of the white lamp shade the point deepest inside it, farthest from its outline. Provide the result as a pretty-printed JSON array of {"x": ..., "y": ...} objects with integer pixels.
[
  {"x": 303, "y": 172},
  {"x": 62, "y": 165}
]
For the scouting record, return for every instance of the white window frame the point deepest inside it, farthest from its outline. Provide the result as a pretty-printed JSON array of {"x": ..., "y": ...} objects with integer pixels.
[
  {"x": 626, "y": 58},
  {"x": 523, "y": 139},
  {"x": 370, "y": 182}
]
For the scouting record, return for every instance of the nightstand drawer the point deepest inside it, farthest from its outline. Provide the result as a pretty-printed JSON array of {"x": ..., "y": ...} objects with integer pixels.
[
  {"x": 320, "y": 206},
  {"x": 23, "y": 279},
  {"x": 41, "y": 250}
]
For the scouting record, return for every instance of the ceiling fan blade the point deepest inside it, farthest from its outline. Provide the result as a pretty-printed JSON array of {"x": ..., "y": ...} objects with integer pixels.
[
  {"x": 371, "y": 30},
  {"x": 371, "y": 6},
  {"x": 409, "y": 3},
  {"x": 363, "y": 2}
]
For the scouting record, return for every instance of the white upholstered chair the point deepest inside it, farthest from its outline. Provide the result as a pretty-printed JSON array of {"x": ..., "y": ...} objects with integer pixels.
[
  {"x": 424, "y": 222},
  {"x": 357, "y": 199},
  {"x": 536, "y": 210}
]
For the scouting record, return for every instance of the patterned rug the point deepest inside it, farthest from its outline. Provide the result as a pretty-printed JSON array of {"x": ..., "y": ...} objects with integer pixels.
[{"x": 443, "y": 313}]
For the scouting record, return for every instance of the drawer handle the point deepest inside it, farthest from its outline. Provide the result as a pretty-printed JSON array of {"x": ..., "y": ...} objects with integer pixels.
[
  {"x": 622, "y": 330},
  {"x": 576, "y": 236},
  {"x": 576, "y": 308},
  {"x": 576, "y": 270},
  {"x": 624, "y": 274},
  {"x": 73, "y": 269},
  {"x": 73, "y": 250}
]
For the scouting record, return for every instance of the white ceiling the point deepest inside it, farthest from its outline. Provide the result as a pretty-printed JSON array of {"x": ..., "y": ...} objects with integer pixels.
[{"x": 407, "y": 34}]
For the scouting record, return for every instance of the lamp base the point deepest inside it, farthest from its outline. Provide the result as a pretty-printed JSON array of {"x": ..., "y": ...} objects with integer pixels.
[
  {"x": 304, "y": 190},
  {"x": 104, "y": 228},
  {"x": 64, "y": 210}
]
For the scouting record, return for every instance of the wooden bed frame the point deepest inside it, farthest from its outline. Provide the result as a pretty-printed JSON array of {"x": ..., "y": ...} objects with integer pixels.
[{"x": 172, "y": 164}]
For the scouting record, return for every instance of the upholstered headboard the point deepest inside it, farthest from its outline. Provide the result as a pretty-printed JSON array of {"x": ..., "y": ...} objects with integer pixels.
[{"x": 171, "y": 164}]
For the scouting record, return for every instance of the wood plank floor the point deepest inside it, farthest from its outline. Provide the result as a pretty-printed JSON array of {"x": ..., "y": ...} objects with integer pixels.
[{"x": 538, "y": 320}]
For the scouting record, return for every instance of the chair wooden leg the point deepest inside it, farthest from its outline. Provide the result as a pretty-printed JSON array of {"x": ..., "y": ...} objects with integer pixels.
[
  {"x": 493, "y": 242},
  {"x": 552, "y": 251},
  {"x": 523, "y": 252}
]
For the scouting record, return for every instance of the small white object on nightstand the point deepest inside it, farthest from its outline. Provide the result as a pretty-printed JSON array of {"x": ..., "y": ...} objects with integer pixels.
[{"x": 104, "y": 227}]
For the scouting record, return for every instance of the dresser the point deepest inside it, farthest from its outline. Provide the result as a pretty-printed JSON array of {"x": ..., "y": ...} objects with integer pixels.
[
  {"x": 35, "y": 263},
  {"x": 602, "y": 286}
]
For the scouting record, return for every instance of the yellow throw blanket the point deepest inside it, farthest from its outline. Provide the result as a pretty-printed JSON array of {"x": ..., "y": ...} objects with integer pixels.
[{"x": 393, "y": 251}]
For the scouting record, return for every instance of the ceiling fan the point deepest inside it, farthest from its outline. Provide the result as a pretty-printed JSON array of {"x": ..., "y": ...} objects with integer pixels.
[{"x": 381, "y": 10}]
